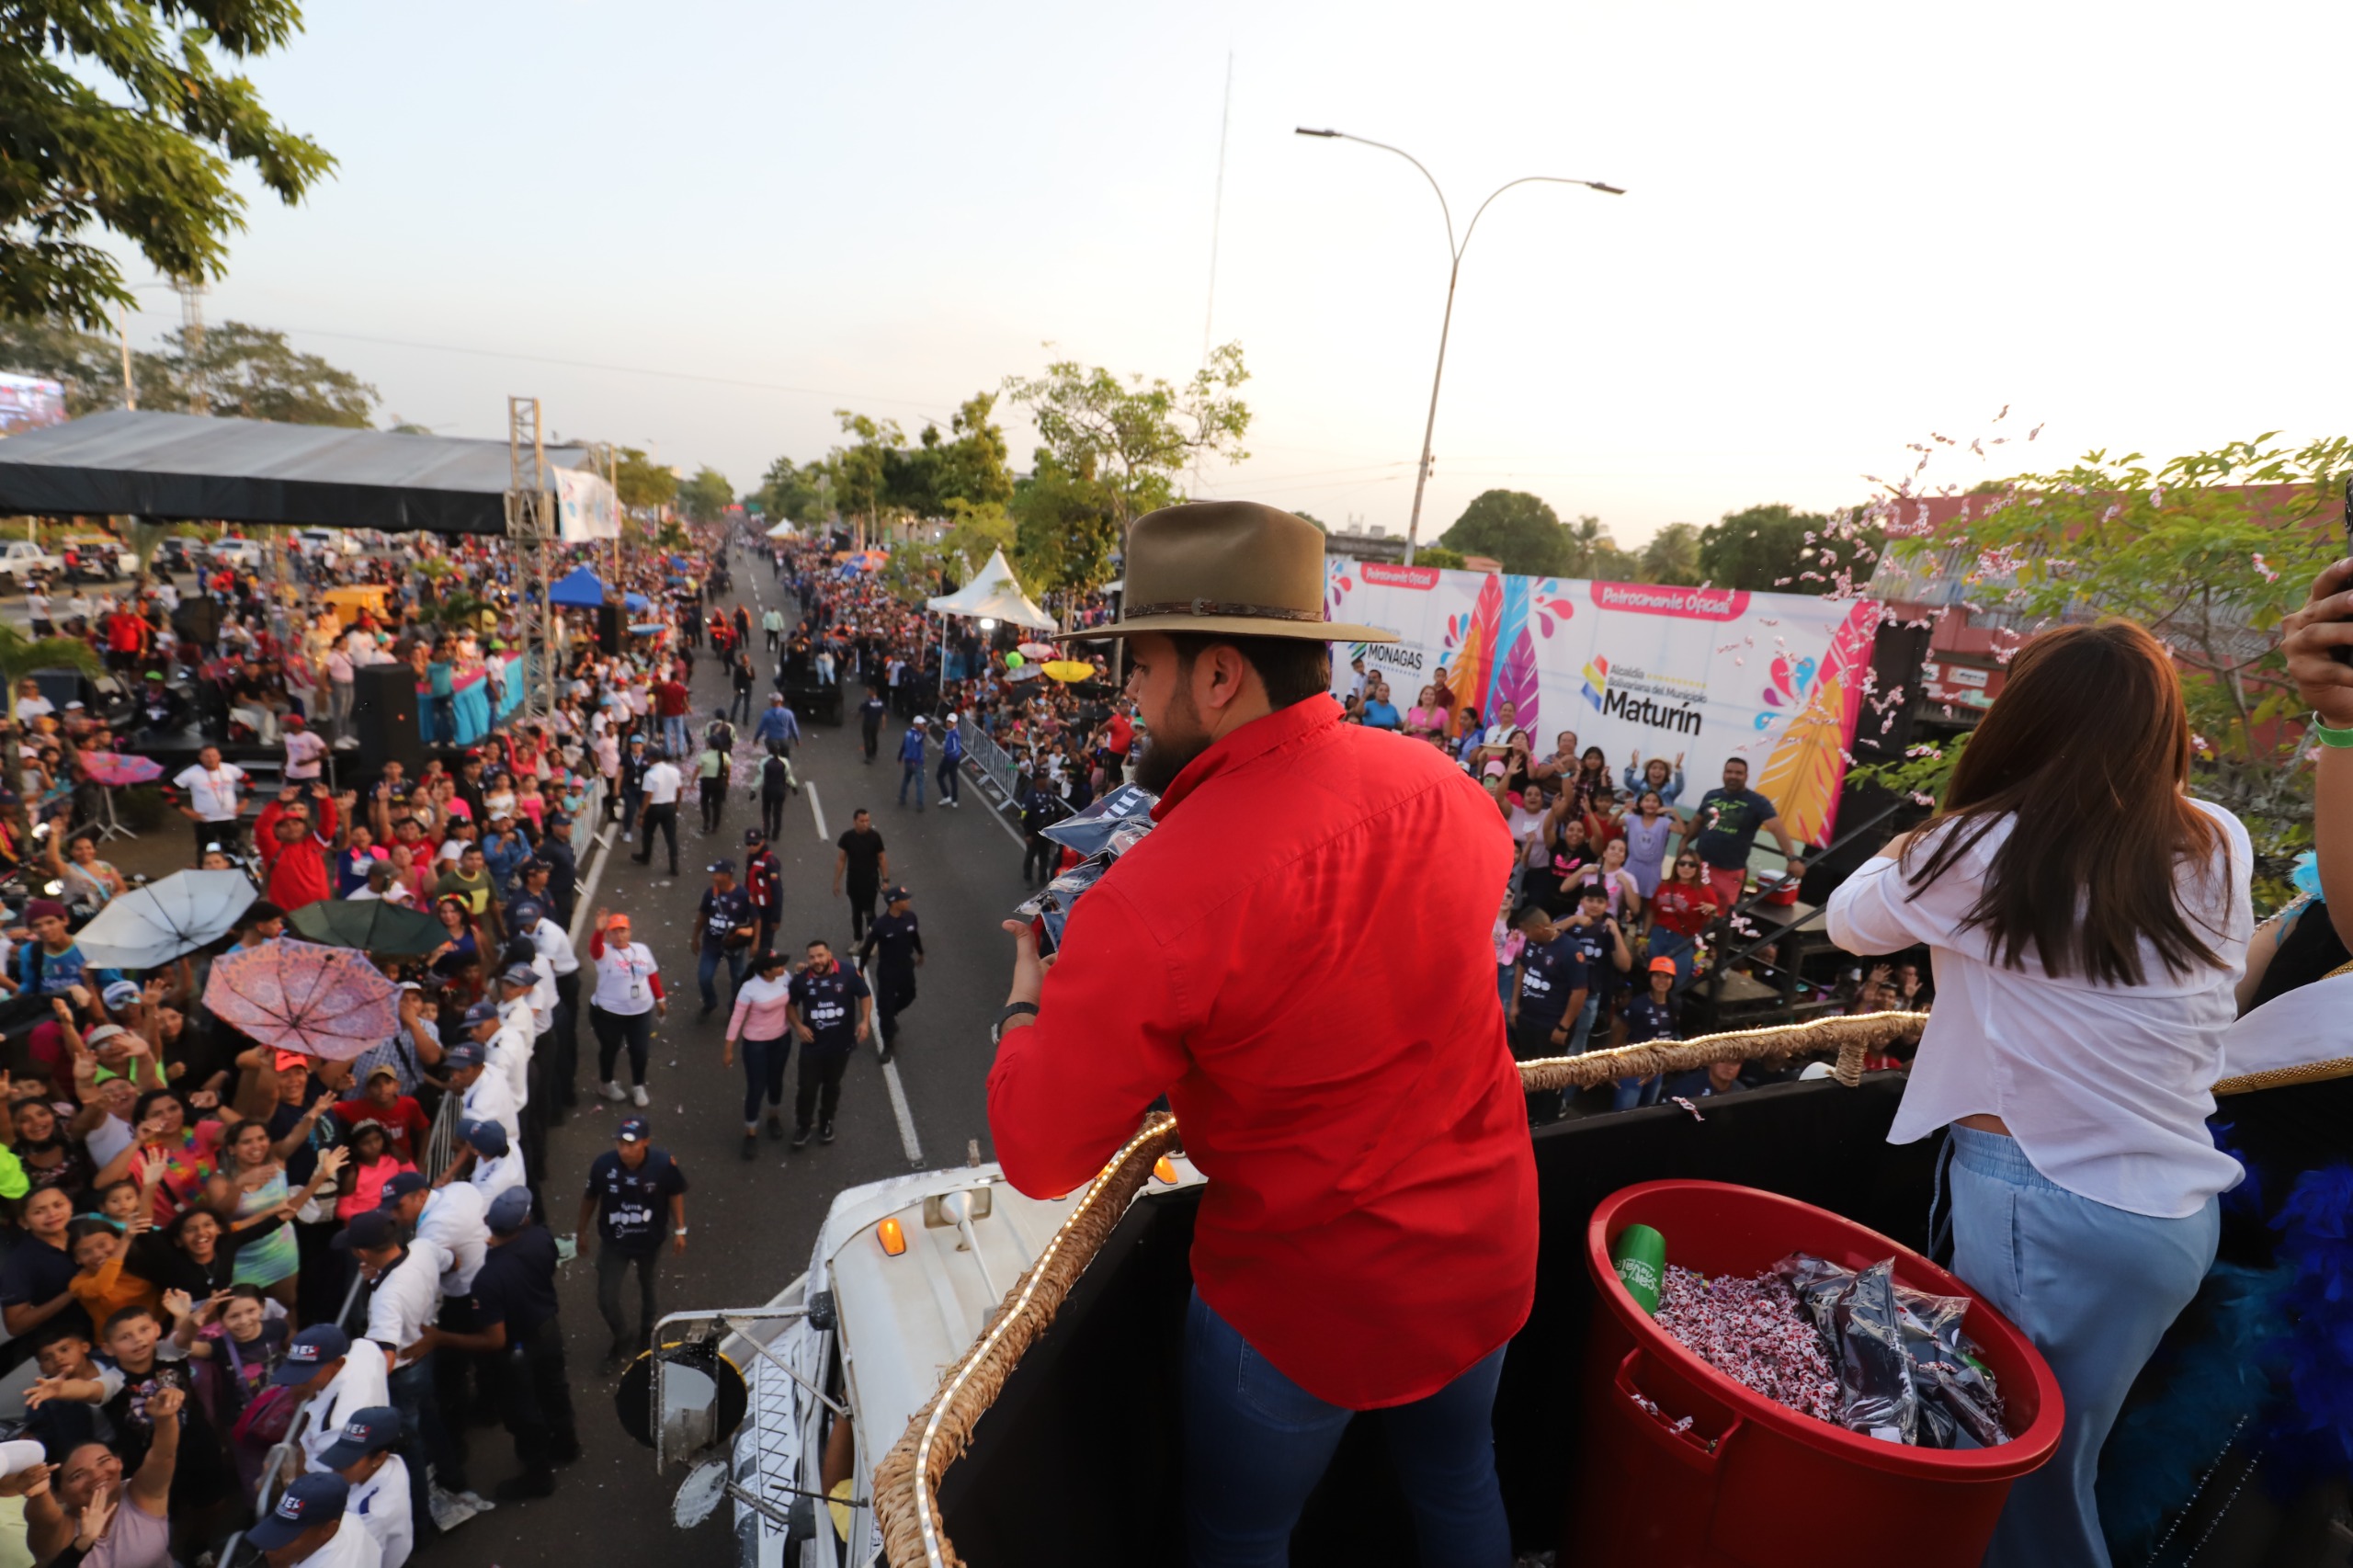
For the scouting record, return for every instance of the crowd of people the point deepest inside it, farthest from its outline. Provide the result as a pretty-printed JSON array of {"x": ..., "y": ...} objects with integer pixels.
[{"x": 215, "y": 1228}]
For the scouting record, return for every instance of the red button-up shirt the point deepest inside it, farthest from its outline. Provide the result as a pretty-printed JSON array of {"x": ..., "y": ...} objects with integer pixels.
[{"x": 1299, "y": 957}]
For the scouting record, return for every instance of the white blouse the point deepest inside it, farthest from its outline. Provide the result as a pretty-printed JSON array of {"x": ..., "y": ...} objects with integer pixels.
[{"x": 2105, "y": 1088}]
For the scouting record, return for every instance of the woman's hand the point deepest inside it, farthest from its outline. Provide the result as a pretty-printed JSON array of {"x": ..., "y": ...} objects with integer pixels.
[
  {"x": 90, "y": 1524},
  {"x": 331, "y": 1163},
  {"x": 2310, "y": 634}
]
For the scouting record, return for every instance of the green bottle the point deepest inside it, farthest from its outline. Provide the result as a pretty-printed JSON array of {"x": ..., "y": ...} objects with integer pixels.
[{"x": 1640, "y": 1256}]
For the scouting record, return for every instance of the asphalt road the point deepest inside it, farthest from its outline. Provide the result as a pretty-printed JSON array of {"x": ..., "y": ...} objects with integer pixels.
[{"x": 751, "y": 1223}]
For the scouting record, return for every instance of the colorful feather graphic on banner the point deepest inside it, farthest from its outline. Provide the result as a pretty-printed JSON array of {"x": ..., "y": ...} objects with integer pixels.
[
  {"x": 1476, "y": 647},
  {"x": 1515, "y": 680},
  {"x": 1803, "y": 776}
]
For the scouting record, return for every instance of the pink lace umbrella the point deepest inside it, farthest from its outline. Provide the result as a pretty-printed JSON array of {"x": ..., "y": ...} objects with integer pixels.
[
  {"x": 321, "y": 1001},
  {"x": 118, "y": 771}
]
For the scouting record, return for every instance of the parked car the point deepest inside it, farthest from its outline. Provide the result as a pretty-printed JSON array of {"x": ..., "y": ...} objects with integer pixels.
[
  {"x": 96, "y": 558},
  {"x": 241, "y": 553},
  {"x": 327, "y": 542},
  {"x": 22, "y": 559},
  {"x": 179, "y": 552}
]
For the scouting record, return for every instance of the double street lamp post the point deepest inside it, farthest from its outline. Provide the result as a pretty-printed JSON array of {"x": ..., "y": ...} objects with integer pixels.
[{"x": 1455, "y": 249}]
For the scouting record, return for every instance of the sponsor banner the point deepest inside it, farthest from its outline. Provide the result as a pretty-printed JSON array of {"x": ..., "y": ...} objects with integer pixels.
[
  {"x": 28, "y": 403},
  {"x": 1635, "y": 668},
  {"x": 585, "y": 506}
]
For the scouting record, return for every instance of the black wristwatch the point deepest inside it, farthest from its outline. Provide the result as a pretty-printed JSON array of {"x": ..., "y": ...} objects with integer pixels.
[{"x": 1012, "y": 1011}]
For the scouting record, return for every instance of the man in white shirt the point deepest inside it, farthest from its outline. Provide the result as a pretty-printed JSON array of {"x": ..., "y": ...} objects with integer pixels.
[
  {"x": 498, "y": 1164},
  {"x": 450, "y": 1217},
  {"x": 309, "y": 1527},
  {"x": 215, "y": 795},
  {"x": 37, "y": 610},
  {"x": 340, "y": 676},
  {"x": 320, "y": 1366},
  {"x": 663, "y": 782},
  {"x": 362, "y": 1454},
  {"x": 304, "y": 750},
  {"x": 485, "y": 1094}
]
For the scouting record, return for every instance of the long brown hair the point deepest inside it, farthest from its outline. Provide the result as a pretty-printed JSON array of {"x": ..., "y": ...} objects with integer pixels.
[{"x": 2085, "y": 752}]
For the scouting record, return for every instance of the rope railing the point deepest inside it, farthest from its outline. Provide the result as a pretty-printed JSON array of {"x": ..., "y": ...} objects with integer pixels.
[{"x": 906, "y": 1483}]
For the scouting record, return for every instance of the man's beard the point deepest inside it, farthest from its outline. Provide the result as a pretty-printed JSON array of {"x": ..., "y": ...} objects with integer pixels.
[{"x": 1174, "y": 743}]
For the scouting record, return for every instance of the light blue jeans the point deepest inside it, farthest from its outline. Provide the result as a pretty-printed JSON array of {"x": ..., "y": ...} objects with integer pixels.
[
  {"x": 1257, "y": 1443},
  {"x": 2095, "y": 1288}
]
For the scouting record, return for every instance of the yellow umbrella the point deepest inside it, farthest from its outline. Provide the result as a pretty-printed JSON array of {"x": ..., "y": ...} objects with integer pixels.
[{"x": 1069, "y": 670}]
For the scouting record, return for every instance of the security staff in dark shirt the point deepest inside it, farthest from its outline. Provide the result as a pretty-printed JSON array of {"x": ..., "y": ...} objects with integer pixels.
[
  {"x": 869, "y": 720},
  {"x": 520, "y": 1344},
  {"x": 634, "y": 762},
  {"x": 831, "y": 1011},
  {"x": 894, "y": 949},
  {"x": 726, "y": 924},
  {"x": 1041, "y": 809},
  {"x": 1548, "y": 987},
  {"x": 764, "y": 881},
  {"x": 563, "y": 868},
  {"x": 1649, "y": 1016}
]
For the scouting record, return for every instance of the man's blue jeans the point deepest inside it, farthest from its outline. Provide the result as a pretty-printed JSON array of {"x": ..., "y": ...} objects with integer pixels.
[
  {"x": 674, "y": 736},
  {"x": 707, "y": 970},
  {"x": 1257, "y": 1443},
  {"x": 910, "y": 772}
]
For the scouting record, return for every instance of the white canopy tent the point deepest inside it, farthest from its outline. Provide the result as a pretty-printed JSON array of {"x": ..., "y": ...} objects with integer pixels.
[
  {"x": 993, "y": 594},
  {"x": 784, "y": 530}
]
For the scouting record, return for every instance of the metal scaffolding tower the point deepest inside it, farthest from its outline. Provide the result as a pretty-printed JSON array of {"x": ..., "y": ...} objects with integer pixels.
[{"x": 531, "y": 525}]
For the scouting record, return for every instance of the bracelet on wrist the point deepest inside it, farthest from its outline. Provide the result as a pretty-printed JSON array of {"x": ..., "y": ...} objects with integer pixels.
[{"x": 2328, "y": 735}]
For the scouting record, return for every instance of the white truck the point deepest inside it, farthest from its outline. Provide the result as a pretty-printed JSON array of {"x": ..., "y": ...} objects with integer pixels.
[{"x": 22, "y": 559}]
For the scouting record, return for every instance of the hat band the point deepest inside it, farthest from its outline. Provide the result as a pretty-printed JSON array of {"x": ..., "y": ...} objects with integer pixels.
[{"x": 1223, "y": 607}]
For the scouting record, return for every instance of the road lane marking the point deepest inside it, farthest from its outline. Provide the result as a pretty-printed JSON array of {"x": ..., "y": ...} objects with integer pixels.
[
  {"x": 897, "y": 1091},
  {"x": 819, "y": 807}
]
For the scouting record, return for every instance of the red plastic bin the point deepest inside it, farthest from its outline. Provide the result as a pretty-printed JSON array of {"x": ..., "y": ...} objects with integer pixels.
[{"x": 1751, "y": 1483}]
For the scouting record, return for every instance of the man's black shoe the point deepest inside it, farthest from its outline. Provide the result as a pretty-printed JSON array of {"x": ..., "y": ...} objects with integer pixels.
[
  {"x": 824, "y": 1132},
  {"x": 776, "y": 1126},
  {"x": 799, "y": 1137},
  {"x": 751, "y": 1145}
]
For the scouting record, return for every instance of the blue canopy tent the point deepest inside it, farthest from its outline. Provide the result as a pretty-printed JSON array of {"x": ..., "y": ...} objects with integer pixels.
[
  {"x": 580, "y": 590},
  {"x": 636, "y": 601}
]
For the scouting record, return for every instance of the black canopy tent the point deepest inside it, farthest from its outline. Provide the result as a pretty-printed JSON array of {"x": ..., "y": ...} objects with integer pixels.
[{"x": 186, "y": 467}]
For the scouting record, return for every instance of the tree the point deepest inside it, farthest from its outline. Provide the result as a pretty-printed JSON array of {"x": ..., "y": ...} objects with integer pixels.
[
  {"x": 1594, "y": 552},
  {"x": 1438, "y": 555},
  {"x": 707, "y": 496},
  {"x": 119, "y": 118},
  {"x": 89, "y": 368},
  {"x": 253, "y": 372},
  {"x": 642, "y": 483},
  {"x": 1671, "y": 556},
  {"x": 980, "y": 529},
  {"x": 967, "y": 464},
  {"x": 2208, "y": 551},
  {"x": 1136, "y": 437},
  {"x": 798, "y": 493},
  {"x": 862, "y": 473},
  {"x": 1775, "y": 550},
  {"x": 1320, "y": 526},
  {"x": 1067, "y": 527},
  {"x": 1514, "y": 528}
]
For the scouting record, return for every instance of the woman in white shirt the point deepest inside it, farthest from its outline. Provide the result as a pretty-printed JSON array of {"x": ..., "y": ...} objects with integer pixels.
[{"x": 2088, "y": 920}]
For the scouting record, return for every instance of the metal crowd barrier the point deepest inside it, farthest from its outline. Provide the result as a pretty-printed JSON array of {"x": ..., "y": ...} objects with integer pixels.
[{"x": 994, "y": 768}]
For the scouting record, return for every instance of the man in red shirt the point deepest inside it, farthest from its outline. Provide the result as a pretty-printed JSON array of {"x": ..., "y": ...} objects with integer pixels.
[
  {"x": 1368, "y": 1237},
  {"x": 300, "y": 861},
  {"x": 670, "y": 701}
]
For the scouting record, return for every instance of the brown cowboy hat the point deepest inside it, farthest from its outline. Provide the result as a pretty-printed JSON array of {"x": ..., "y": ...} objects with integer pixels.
[{"x": 1234, "y": 567}]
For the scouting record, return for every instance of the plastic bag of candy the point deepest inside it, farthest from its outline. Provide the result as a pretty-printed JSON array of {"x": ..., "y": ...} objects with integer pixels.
[{"x": 1906, "y": 1371}]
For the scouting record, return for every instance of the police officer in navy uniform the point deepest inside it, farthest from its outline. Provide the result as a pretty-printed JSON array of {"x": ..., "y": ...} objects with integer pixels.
[
  {"x": 831, "y": 1011},
  {"x": 893, "y": 947},
  {"x": 521, "y": 1345},
  {"x": 637, "y": 1195}
]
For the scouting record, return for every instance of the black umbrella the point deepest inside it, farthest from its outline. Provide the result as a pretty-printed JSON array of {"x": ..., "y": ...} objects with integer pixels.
[{"x": 370, "y": 925}]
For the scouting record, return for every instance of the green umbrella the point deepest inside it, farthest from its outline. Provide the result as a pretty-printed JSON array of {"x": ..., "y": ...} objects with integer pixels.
[{"x": 370, "y": 925}]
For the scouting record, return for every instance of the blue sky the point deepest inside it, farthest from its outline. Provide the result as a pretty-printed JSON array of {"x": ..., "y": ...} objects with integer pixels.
[{"x": 1847, "y": 226}]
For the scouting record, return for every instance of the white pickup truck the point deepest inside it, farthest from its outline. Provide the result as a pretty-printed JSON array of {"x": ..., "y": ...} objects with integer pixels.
[{"x": 21, "y": 558}]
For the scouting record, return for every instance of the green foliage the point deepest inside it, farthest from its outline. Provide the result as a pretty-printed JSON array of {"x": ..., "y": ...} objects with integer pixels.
[
  {"x": 1440, "y": 556},
  {"x": 20, "y": 655},
  {"x": 2209, "y": 551},
  {"x": 1320, "y": 526},
  {"x": 1672, "y": 555},
  {"x": 980, "y": 529},
  {"x": 642, "y": 483},
  {"x": 1135, "y": 437},
  {"x": 1593, "y": 553},
  {"x": 796, "y": 493},
  {"x": 1514, "y": 528},
  {"x": 254, "y": 373},
  {"x": 119, "y": 118},
  {"x": 707, "y": 496},
  {"x": 88, "y": 367},
  {"x": 967, "y": 464},
  {"x": 862, "y": 473},
  {"x": 1066, "y": 527},
  {"x": 1773, "y": 549},
  {"x": 1923, "y": 772}
]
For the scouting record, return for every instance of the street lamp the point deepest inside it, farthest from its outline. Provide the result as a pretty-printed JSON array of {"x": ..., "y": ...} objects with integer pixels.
[{"x": 1455, "y": 249}]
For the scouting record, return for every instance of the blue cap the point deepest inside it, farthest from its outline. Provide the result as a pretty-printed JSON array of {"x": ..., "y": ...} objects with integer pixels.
[
  {"x": 482, "y": 1012},
  {"x": 313, "y": 1499},
  {"x": 513, "y": 974},
  {"x": 488, "y": 1138},
  {"x": 559, "y": 819},
  {"x": 754, "y": 835},
  {"x": 400, "y": 1183},
  {"x": 308, "y": 1351},
  {"x": 524, "y": 914},
  {"x": 460, "y": 1057},
  {"x": 371, "y": 1227},
  {"x": 510, "y": 1210},
  {"x": 726, "y": 865},
  {"x": 369, "y": 1431},
  {"x": 634, "y": 1129}
]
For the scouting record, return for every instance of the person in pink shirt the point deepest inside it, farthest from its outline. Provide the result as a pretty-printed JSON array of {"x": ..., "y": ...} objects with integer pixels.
[{"x": 760, "y": 1023}]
